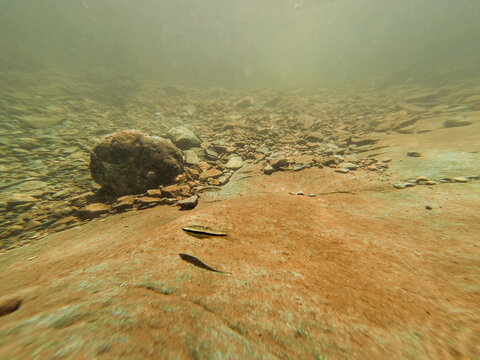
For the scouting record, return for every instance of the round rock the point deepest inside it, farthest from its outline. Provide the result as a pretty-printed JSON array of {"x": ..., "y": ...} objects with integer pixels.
[{"x": 131, "y": 162}]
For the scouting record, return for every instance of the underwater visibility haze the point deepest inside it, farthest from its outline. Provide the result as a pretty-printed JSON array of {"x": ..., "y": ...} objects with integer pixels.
[{"x": 239, "y": 179}]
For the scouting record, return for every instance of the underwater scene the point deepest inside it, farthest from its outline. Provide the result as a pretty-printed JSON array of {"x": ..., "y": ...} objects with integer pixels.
[{"x": 239, "y": 179}]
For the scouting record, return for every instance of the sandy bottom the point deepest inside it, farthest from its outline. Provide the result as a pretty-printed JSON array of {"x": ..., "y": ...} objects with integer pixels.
[{"x": 363, "y": 271}]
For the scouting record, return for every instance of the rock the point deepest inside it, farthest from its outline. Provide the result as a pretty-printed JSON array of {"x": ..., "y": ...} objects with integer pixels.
[
  {"x": 245, "y": 103},
  {"x": 189, "y": 203},
  {"x": 329, "y": 160},
  {"x": 298, "y": 167},
  {"x": 62, "y": 194},
  {"x": 342, "y": 170},
  {"x": 268, "y": 169},
  {"x": 147, "y": 201},
  {"x": 191, "y": 157},
  {"x": 183, "y": 138},
  {"x": 82, "y": 199},
  {"x": 225, "y": 178},
  {"x": 360, "y": 141},
  {"x": 130, "y": 162},
  {"x": 154, "y": 193},
  {"x": 455, "y": 123},
  {"x": 314, "y": 137},
  {"x": 263, "y": 150},
  {"x": 212, "y": 173},
  {"x": 350, "y": 166},
  {"x": 407, "y": 130},
  {"x": 413, "y": 154},
  {"x": 460, "y": 179},
  {"x": 9, "y": 304},
  {"x": 173, "y": 191},
  {"x": 235, "y": 163},
  {"x": 211, "y": 154},
  {"x": 278, "y": 162},
  {"x": 19, "y": 199},
  {"x": 204, "y": 166},
  {"x": 312, "y": 195},
  {"x": 123, "y": 203},
  {"x": 421, "y": 179},
  {"x": 403, "y": 185},
  {"x": 32, "y": 224},
  {"x": 93, "y": 210},
  {"x": 65, "y": 221}
]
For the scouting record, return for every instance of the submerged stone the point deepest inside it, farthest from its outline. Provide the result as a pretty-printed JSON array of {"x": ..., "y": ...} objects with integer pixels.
[{"x": 131, "y": 162}]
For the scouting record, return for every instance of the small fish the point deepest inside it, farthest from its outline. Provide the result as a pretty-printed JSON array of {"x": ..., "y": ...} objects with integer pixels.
[
  {"x": 202, "y": 230},
  {"x": 194, "y": 261}
]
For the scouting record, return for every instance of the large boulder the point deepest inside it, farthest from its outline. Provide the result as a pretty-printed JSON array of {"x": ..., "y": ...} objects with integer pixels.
[
  {"x": 183, "y": 137},
  {"x": 131, "y": 162}
]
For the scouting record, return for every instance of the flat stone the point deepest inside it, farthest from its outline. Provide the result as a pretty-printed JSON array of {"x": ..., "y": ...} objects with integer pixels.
[
  {"x": 350, "y": 166},
  {"x": 183, "y": 137},
  {"x": 19, "y": 199},
  {"x": 189, "y": 203},
  {"x": 93, "y": 210},
  {"x": 245, "y": 102},
  {"x": 225, "y": 178},
  {"x": 263, "y": 150},
  {"x": 175, "y": 190},
  {"x": 153, "y": 193},
  {"x": 342, "y": 170},
  {"x": 65, "y": 221},
  {"x": 211, "y": 173},
  {"x": 421, "y": 179},
  {"x": 298, "y": 167},
  {"x": 82, "y": 199},
  {"x": 211, "y": 154},
  {"x": 314, "y": 137},
  {"x": 235, "y": 163},
  {"x": 146, "y": 201},
  {"x": 191, "y": 157},
  {"x": 32, "y": 224},
  {"x": 123, "y": 203},
  {"x": 460, "y": 179},
  {"x": 204, "y": 166},
  {"x": 455, "y": 123},
  {"x": 403, "y": 185},
  {"x": 413, "y": 154}
]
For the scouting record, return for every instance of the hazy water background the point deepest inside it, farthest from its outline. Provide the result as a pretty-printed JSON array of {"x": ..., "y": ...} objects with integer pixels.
[{"x": 246, "y": 43}]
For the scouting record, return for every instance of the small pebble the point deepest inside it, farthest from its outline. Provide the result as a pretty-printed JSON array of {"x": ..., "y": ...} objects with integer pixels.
[
  {"x": 300, "y": 193},
  {"x": 312, "y": 195},
  {"x": 428, "y": 207}
]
